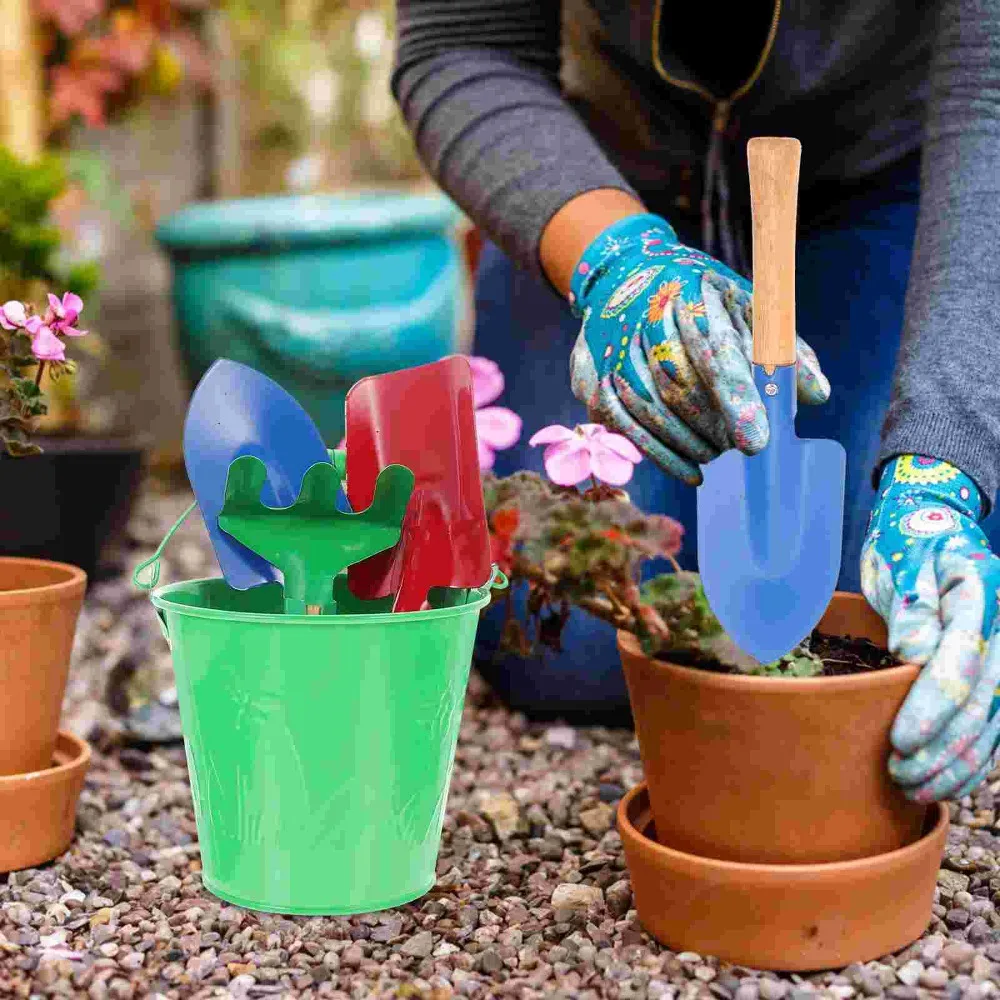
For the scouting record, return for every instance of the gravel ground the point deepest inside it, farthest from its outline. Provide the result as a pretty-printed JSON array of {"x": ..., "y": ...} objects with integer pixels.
[{"x": 533, "y": 897}]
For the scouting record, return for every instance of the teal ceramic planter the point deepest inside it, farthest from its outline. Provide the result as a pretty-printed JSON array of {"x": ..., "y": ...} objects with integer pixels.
[{"x": 318, "y": 291}]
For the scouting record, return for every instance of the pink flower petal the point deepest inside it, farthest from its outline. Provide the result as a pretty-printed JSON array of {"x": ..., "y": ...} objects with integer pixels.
[
  {"x": 610, "y": 467},
  {"x": 71, "y": 331},
  {"x": 14, "y": 314},
  {"x": 498, "y": 426},
  {"x": 46, "y": 346},
  {"x": 55, "y": 304},
  {"x": 487, "y": 380},
  {"x": 620, "y": 445},
  {"x": 34, "y": 325},
  {"x": 551, "y": 435},
  {"x": 486, "y": 454},
  {"x": 72, "y": 306},
  {"x": 568, "y": 462}
]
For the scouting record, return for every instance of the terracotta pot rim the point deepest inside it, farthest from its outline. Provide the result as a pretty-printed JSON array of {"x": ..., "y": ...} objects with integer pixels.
[
  {"x": 48, "y": 593},
  {"x": 71, "y": 754},
  {"x": 631, "y": 833},
  {"x": 628, "y": 644}
]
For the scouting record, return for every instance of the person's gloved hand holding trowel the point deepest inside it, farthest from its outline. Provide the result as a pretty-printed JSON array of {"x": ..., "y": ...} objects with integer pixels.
[
  {"x": 663, "y": 355},
  {"x": 928, "y": 570}
]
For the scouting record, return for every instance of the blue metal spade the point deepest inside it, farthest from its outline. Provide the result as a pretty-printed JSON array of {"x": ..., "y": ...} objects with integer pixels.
[
  {"x": 237, "y": 411},
  {"x": 770, "y": 525}
]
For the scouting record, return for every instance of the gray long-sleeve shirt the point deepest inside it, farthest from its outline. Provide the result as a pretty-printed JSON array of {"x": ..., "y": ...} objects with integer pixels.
[{"x": 517, "y": 106}]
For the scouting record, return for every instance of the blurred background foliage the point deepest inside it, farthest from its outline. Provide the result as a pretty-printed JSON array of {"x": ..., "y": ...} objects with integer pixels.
[{"x": 314, "y": 95}]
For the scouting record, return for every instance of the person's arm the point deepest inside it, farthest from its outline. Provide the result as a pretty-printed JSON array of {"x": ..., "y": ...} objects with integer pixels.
[
  {"x": 478, "y": 84},
  {"x": 946, "y": 396}
]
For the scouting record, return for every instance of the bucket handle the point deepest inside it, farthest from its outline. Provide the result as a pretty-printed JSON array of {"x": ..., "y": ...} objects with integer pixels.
[{"x": 153, "y": 562}]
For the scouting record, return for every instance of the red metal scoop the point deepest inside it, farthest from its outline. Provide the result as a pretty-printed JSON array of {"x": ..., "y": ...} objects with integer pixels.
[{"x": 422, "y": 418}]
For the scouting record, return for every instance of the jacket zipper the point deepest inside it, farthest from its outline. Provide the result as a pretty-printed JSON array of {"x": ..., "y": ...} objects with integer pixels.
[{"x": 720, "y": 106}]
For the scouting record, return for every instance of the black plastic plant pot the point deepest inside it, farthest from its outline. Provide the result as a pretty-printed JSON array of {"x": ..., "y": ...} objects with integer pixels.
[{"x": 70, "y": 503}]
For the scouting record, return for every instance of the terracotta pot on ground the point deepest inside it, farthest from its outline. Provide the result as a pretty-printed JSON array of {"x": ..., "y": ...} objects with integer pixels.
[
  {"x": 39, "y": 606},
  {"x": 38, "y": 811},
  {"x": 792, "y": 918},
  {"x": 773, "y": 770}
]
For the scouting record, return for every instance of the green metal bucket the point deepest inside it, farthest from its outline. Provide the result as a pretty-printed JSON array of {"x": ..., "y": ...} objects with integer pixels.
[{"x": 320, "y": 748}]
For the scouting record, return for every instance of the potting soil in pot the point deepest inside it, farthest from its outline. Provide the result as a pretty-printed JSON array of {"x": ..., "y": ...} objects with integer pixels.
[{"x": 841, "y": 655}]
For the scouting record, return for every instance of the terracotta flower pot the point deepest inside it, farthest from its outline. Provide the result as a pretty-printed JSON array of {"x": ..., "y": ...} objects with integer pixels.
[
  {"x": 39, "y": 606},
  {"x": 38, "y": 810},
  {"x": 792, "y": 918},
  {"x": 773, "y": 770}
]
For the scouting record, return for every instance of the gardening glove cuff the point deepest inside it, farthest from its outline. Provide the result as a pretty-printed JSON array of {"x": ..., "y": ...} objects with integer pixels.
[{"x": 927, "y": 569}]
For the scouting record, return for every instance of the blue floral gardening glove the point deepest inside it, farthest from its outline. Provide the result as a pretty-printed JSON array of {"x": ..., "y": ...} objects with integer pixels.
[
  {"x": 927, "y": 569},
  {"x": 664, "y": 354}
]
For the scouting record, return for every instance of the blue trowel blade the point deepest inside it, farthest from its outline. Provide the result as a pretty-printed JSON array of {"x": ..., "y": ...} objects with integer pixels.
[
  {"x": 770, "y": 530},
  {"x": 237, "y": 411}
]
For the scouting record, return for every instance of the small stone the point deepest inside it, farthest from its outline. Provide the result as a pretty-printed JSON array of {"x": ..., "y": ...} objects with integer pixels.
[
  {"x": 772, "y": 989},
  {"x": 979, "y": 932},
  {"x": 746, "y": 992},
  {"x": 572, "y": 897},
  {"x": 102, "y": 916},
  {"x": 957, "y": 955},
  {"x": 619, "y": 898},
  {"x": 981, "y": 968},
  {"x": 956, "y": 919},
  {"x": 353, "y": 956},
  {"x": 952, "y": 882},
  {"x": 705, "y": 973},
  {"x": 609, "y": 792},
  {"x": 561, "y": 737},
  {"x": 597, "y": 821},
  {"x": 419, "y": 946},
  {"x": 931, "y": 948},
  {"x": 902, "y": 992},
  {"x": 240, "y": 986},
  {"x": 446, "y": 948},
  {"x": 909, "y": 974},
  {"x": 490, "y": 961},
  {"x": 19, "y": 914},
  {"x": 503, "y": 813},
  {"x": 934, "y": 979}
]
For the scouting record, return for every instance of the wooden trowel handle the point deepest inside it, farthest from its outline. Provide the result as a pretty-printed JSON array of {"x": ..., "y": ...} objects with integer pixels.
[{"x": 774, "y": 185}]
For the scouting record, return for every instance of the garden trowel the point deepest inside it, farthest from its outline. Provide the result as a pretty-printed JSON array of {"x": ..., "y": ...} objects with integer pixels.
[
  {"x": 770, "y": 525},
  {"x": 423, "y": 418}
]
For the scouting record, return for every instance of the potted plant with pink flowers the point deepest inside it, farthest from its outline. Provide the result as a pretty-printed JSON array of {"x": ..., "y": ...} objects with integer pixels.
[
  {"x": 43, "y": 511},
  {"x": 41, "y": 768}
]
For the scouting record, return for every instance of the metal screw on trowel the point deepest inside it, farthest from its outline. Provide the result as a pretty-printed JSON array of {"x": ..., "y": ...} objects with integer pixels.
[{"x": 771, "y": 389}]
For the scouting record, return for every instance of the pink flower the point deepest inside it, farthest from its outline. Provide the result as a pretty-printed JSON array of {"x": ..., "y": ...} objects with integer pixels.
[
  {"x": 487, "y": 381},
  {"x": 63, "y": 313},
  {"x": 590, "y": 450},
  {"x": 497, "y": 427},
  {"x": 13, "y": 316},
  {"x": 45, "y": 345}
]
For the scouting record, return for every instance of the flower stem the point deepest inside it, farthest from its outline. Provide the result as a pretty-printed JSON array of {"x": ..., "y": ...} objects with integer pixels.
[{"x": 38, "y": 374}]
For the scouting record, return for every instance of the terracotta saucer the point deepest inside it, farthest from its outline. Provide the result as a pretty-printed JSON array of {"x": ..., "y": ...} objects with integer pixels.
[
  {"x": 38, "y": 809},
  {"x": 792, "y": 918}
]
